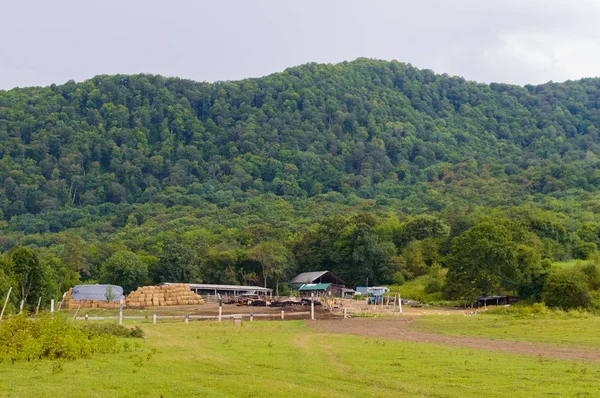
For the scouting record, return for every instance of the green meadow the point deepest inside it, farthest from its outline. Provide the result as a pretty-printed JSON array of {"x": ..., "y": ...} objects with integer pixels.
[
  {"x": 566, "y": 330},
  {"x": 283, "y": 359}
]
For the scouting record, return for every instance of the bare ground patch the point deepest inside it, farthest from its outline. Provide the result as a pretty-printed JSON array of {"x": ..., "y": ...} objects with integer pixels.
[{"x": 400, "y": 329}]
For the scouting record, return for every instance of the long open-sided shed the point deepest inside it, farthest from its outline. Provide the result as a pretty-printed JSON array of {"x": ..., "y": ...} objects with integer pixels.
[{"x": 206, "y": 289}]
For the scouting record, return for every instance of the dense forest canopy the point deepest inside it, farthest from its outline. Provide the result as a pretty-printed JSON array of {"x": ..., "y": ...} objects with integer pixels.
[{"x": 370, "y": 169}]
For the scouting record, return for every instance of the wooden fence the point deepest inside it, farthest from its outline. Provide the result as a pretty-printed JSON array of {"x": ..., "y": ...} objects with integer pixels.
[{"x": 154, "y": 318}]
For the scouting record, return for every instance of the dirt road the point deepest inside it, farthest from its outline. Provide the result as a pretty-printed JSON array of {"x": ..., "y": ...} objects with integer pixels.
[{"x": 400, "y": 329}]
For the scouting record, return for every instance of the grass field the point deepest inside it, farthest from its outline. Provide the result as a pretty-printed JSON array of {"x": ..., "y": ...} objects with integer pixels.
[
  {"x": 582, "y": 332},
  {"x": 272, "y": 359}
]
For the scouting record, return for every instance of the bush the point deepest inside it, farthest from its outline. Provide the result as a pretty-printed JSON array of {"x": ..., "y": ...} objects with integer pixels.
[
  {"x": 433, "y": 286},
  {"x": 398, "y": 278},
  {"x": 51, "y": 338},
  {"x": 567, "y": 288},
  {"x": 583, "y": 250},
  {"x": 111, "y": 329}
]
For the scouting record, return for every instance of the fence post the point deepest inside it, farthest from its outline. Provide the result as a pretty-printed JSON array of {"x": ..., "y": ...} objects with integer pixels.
[
  {"x": 187, "y": 318},
  {"x": 220, "y": 313},
  {"x": 312, "y": 306},
  {"x": 86, "y": 317},
  {"x": 252, "y": 317},
  {"x": 282, "y": 315},
  {"x": 400, "y": 303},
  {"x": 21, "y": 306},
  {"x": 52, "y": 305},
  {"x": 154, "y": 319},
  {"x": 121, "y": 312},
  {"x": 37, "y": 309},
  {"x": 5, "y": 302},
  {"x": 76, "y": 311},
  {"x": 345, "y": 313}
]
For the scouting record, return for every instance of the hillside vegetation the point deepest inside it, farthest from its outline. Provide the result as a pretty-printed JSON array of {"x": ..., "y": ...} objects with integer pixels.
[{"x": 370, "y": 169}]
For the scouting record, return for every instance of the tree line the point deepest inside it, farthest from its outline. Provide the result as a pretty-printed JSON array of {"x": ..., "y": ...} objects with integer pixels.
[{"x": 370, "y": 169}]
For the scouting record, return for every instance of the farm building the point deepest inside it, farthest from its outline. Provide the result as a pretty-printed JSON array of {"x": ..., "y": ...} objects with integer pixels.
[
  {"x": 320, "y": 290},
  {"x": 322, "y": 283},
  {"x": 92, "y": 296},
  {"x": 496, "y": 300},
  {"x": 163, "y": 295},
  {"x": 226, "y": 290}
]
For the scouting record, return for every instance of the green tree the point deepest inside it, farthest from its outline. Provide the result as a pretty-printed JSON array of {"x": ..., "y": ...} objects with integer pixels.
[
  {"x": 73, "y": 256},
  {"x": 175, "y": 264},
  {"x": 125, "y": 269},
  {"x": 483, "y": 260},
  {"x": 29, "y": 274},
  {"x": 275, "y": 261},
  {"x": 566, "y": 289}
]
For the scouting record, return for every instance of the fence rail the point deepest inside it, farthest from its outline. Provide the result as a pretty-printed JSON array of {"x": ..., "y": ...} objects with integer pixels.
[{"x": 281, "y": 315}]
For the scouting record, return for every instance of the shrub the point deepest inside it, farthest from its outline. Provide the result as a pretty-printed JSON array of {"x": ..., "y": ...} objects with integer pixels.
[
  {"x": 566, "y": 288},
  {"x": 433, "y": 286},
  {"x": 49, "y": 337},
  {"x": 111, "y": 329},
  {"x": 398, "y": 278}
]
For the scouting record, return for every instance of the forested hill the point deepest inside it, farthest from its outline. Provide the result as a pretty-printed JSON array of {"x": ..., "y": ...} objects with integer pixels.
[
  {"x": 138, "y": 161},
  {"x": 382, "y": 130}
]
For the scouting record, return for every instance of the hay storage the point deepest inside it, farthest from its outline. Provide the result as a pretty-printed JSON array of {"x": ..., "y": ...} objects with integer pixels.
[{"x": 164, "y": 295}]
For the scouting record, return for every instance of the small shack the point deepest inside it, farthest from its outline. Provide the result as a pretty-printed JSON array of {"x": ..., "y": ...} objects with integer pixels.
[
  {"x": 484, "y": 301},
  {"x": 314, "y": 282}
]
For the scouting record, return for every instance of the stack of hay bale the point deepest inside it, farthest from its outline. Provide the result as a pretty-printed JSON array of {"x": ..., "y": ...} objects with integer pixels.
[
  {"x": 165, "y": 295},
  {"x": 68, "y": 303}
]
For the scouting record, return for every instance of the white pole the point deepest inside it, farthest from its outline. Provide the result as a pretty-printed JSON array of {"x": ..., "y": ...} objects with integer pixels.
[
  {"x": 21, "y": 306},
  {"x": 345, "y": 313},
  {"x": 400, "y": 303},
  {"x": 282, "y": 315},
  {"x": 37, "y": 309},
  {"x": 312, "y": 306},
  {"x": 76, "y": 311},
  {"x": 187, "y": 318},
  {"x": 5, "y": 302},
  {"x": 121, "y": 312},
  {"x": 252, "y": 317},
  {"x": 52, "y": 305},
  {"x": 154, "y": 319},
  {"x": 220, "y": 313}
]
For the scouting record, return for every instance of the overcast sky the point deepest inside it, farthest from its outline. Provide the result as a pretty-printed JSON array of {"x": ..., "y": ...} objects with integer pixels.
[{"x": 512, "y": 41}]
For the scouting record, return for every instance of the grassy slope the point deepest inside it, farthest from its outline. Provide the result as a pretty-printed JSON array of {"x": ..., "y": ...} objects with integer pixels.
[
  {"x": 553, "y": 330},
  {"x": 290, "y": 359}
]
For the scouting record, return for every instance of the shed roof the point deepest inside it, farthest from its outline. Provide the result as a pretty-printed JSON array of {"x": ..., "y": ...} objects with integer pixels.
[
  {"x": 316, "y": 276},
  {"x": 208, "y": 286},
  {"x": 315, "y": 286}
]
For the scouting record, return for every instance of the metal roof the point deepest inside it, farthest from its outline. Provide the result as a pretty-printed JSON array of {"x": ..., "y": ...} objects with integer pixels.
[
  {"x": 310, "y": 277},
  {"x": 207, "y": 286},
  {"x": 315, "y": 286}
]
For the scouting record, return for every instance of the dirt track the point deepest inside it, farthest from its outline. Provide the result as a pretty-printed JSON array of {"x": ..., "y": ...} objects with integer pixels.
[{"x": 400, "y": 329}]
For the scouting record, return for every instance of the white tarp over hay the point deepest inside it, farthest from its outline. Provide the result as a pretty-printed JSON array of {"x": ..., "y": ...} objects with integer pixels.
[{"x": 96, "y": 292}]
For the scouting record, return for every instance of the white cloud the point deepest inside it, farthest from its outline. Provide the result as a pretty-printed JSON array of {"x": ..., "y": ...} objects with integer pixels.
[{"x": 536, "y": 57}]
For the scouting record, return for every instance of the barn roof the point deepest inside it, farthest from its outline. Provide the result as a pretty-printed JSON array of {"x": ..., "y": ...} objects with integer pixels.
[
  {"x": 315, "y": 286},
  {"x": 317, "y": 277}
]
